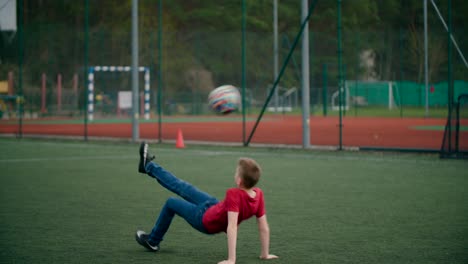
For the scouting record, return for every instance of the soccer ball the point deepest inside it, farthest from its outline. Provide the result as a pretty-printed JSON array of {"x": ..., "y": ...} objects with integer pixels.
[{"x": 224, "y": 99}]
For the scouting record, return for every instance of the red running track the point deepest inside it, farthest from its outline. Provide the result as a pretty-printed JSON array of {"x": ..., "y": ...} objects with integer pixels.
[{"x": 407, "y": 133}]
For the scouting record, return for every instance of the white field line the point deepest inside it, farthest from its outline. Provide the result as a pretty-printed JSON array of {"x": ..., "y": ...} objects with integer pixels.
[
  {"x": 48, "y": 159},
  {"x": 251, "y": 152}
]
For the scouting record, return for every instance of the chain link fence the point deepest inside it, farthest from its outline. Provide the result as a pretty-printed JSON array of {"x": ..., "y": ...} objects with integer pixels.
[{"x": 383, "y": 72}]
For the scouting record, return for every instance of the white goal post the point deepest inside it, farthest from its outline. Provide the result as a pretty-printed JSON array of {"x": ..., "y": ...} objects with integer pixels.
[
  {"x": 93, "y": 69},
  {"x": 365, "y": 93}
]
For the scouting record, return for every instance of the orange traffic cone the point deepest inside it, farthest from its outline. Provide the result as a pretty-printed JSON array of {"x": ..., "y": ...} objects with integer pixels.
[{"x": 180, "y": 139}]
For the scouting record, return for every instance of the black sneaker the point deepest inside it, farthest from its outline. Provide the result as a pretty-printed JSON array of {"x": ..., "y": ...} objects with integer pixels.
[
  {"x": 145, "y": 157},
  {"x": 142, "y": 239}
]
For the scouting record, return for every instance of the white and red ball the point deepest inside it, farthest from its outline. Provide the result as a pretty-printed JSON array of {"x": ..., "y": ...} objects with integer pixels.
[{"x": 224, "y": 99}]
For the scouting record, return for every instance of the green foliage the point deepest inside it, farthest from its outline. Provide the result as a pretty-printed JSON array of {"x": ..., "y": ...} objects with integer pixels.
[{"x": 194, "y": 30}]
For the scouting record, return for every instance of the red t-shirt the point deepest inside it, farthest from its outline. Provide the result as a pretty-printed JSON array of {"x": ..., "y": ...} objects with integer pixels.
[{"x": 215, "y": 219}]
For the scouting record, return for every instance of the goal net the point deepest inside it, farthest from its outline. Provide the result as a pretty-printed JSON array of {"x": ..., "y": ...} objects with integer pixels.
[
  {"x": 455, "y": 142},
  {"x": 366, "y": 93},
  {"x": 124, "y": 98}
]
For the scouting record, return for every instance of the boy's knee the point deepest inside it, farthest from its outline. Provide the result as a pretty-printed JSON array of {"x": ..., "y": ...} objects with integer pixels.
[
  {"x": 172, "y": 200},
  {"x": 171, "y": 205}
]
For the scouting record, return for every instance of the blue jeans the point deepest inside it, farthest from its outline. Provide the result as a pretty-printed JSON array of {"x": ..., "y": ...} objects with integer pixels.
[{"x": 192, "y": 208}]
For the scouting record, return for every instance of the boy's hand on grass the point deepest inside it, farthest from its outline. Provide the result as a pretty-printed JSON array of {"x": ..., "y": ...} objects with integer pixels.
[{"x": 269, "y": 256}]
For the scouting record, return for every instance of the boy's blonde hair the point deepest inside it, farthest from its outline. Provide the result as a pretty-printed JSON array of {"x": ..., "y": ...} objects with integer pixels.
[{"x": 249, "y": 172}]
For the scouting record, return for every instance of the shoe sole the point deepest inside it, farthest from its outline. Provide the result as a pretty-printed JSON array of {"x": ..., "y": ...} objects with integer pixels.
[
  {"x": 143, "y": 155},
  {"x": 145, "y": 243},
  {"x": 143, "y": 150}
]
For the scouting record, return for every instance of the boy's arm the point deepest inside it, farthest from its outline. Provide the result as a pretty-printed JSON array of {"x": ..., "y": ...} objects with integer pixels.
[
  {"x": 231, "y": 237},
  {"x": 264, "y": 231}
]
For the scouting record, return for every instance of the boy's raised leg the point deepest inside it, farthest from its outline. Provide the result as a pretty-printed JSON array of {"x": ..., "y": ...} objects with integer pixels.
[
  {"x": 169, "y": 180},
  {"x": 182, "y": 188}
]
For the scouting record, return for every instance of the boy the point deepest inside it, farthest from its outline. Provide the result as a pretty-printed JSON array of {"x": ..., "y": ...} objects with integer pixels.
[{"x": 204, "y": 212}]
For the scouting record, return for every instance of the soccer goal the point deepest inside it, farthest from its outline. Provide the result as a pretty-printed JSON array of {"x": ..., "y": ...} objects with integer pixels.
[
  {"x": 124, "y": 100},
  {"x": 287, "y": 100},
  {"x": 366, "y": 93},
  {"x": 454, "y": 145}
]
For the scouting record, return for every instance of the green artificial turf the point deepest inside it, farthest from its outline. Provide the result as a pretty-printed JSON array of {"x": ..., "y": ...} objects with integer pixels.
[{"x": 81, "y": 202}]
